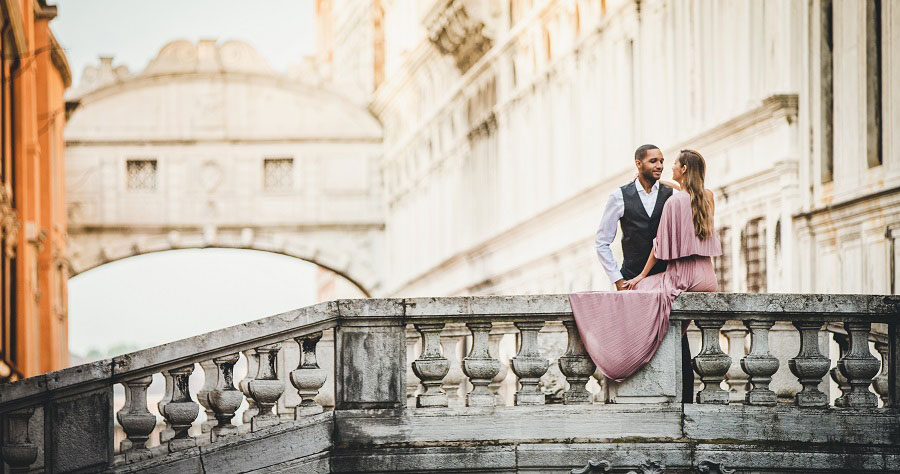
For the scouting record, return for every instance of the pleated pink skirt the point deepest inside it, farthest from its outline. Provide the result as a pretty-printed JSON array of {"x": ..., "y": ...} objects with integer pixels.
[{"x": 622, "y": 330}]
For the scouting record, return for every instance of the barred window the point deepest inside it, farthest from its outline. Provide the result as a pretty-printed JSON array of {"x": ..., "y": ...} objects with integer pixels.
[
  {"x": 722, "y": 263},
  {"x": 753, "y": 244},
  {"x": 278, "y": 174},
  {"x": 141, "y": 175}
]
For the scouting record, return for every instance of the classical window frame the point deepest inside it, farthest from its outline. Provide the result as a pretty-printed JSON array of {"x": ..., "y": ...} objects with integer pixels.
[
  {"x": 131, "y": 169},
  {"x": 272, "y": 183}
]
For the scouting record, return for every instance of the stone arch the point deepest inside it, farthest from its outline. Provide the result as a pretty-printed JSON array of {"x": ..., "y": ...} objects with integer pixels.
[{"x": 361, "y": 276}]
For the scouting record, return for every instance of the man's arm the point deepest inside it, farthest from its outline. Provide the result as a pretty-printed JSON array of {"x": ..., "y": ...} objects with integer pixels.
[{"x": 609, "y": 223}]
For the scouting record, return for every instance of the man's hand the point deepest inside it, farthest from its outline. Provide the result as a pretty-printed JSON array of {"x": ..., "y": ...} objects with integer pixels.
[{"x": 620, "y": 285}]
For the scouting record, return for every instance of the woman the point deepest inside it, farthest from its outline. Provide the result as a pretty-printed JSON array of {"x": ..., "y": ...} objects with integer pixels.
[{"x": 622, "y": 330}]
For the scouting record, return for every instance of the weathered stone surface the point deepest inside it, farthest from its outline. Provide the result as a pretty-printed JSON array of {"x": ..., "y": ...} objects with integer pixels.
[
  {"x": 659, "y": 381},
  {"x": 371, "y": 368},
  {"x": 314, "y": 464},
  {"x": 411, "y": 459},
  {"x": 80, "y": 431}
]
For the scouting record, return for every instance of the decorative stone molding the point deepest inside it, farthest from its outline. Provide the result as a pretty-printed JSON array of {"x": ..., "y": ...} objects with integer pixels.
[
  {"x": 431, "y": 366},
  {"x": 810, "y": 365},
  {"x": 480, "y": 367},
  {"x": 18, "y": 451},
  {"x": 529, "y": 365},
  {"x": 182, "y": 410},
  {"x": 711, "y": 363},
  {"x": 710, "y": 467},
  {"x": 578, "y": 367},
  {"x": 859, "y": 366},
  {"x": 266, "y": 388},
  {"x": 461, "y": 28},
  {"x": 224, "y": 399},
  {"x": 136, "y": 420},
  {"x": 760, "y": 364}
]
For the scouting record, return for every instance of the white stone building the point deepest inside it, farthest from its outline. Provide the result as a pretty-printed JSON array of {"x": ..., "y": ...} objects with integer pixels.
[
  {"x": 209, "y": 147},
  {"x": 507, "y": 124}
]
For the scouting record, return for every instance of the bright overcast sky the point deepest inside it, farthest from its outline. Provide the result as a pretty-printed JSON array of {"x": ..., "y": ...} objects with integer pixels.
[
  {"x": 133, "y": 31},
  {"x": 158, "y": 298}
]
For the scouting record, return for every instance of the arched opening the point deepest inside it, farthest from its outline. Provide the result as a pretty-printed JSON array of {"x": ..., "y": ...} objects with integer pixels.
[{"x": 150, "y": 299}]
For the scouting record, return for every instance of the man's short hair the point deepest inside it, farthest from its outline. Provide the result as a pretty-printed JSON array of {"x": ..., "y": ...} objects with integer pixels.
[{"x": 642, "y": 150}]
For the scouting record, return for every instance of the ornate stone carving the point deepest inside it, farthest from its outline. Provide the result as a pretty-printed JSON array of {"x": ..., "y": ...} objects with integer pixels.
[
  {"x": 210, "y": 378},
  {"x": 431, "y": 366},
  {"x": 308, "y": 377},
  {"x": 182, "y": 410},
  {"x": 136, "y": 419},
  {"x": 760, "y": 364},
  {"x": 810, "y": 365},
  {"x": 244, "y": 385},
  {"x": 881, "y": 382},
  {"x": 224, "y": 399},
  {"x": 529, "y": 365},
  {"x": 594, "y": 467},
  {"x": 709, "y": 467},
  {"x": 711, "y": 363},
  {"x": 265, "y": 388},
  {"x": 577, "y": 366},
  {"x": 455, "y": 28},
  {"x": 859, "y": 366},
  {"x": 9, "y": 222},
  {"x": 480, "y": 366},
  {"x": 18, "y": 451}
]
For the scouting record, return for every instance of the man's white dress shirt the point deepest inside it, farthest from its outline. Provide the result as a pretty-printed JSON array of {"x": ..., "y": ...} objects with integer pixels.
[{"x": 609, "y": 223}]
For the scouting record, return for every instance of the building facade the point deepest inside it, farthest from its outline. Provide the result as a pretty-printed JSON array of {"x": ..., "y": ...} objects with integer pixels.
[
  {"x": 33, "y": 259},
  {"x": 507, "y": 124}
]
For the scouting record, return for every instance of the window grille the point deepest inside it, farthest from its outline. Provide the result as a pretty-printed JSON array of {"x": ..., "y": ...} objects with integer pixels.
[
  {"x": 279, "y": 174},
  {"x": 753, "y": 243},
  {"x": 141, "y": 175},
  {"x": 722, "y": 264}
]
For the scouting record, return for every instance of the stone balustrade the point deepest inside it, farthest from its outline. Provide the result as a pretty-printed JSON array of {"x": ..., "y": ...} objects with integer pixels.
[{"x": 63, "y": 421}]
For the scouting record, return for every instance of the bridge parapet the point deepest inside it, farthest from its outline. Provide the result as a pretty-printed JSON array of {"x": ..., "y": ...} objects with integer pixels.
[{"x": 395, "y": 407}]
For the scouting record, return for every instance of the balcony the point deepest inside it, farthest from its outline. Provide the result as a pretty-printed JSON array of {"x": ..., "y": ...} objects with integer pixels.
[{"x": 487, "y": 410}]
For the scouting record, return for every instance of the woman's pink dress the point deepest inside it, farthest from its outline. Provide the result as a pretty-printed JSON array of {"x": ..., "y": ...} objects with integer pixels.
[{"x": 622, "y": 330}]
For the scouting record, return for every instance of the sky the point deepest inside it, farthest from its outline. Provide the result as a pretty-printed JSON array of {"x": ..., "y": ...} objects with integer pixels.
[
  {"x": 133, "y": 31},
  {"x": 152, "y": 299}
]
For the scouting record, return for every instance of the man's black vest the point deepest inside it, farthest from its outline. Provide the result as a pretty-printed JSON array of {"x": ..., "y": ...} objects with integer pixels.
[{"x": 639, "y": 230}]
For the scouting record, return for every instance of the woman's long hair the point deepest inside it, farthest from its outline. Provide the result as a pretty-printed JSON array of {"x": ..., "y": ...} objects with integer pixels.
[{"x": 701, "y": 206}]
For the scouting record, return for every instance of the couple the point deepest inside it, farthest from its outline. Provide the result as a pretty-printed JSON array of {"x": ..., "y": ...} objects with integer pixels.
[{"x": 668, "y": 238}]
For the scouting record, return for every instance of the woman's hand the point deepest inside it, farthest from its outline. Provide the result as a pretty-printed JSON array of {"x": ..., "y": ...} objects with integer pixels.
[{"x": 630, "y": 284}]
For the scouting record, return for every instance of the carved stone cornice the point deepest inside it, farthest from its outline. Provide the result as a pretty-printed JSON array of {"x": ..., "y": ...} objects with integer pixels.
[{"x": 461, "y": 29}]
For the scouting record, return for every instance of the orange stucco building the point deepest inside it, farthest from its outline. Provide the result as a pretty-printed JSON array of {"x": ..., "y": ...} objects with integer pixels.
[{"x": 33, "y": 263}]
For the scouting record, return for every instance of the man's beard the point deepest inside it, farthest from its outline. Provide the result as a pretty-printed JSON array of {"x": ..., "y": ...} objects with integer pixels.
[{"x": 648, "y": 176}]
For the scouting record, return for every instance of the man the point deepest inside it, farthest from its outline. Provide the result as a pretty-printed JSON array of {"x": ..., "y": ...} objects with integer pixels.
[{"x": 638, "y": 206}]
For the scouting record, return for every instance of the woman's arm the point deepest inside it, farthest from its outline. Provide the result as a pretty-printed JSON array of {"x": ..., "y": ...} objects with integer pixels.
[
  {"x": 651, "y": 261},
  {"x": 712, "y": 201}
]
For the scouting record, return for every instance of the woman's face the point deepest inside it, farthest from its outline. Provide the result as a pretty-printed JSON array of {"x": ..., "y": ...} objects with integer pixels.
[{"x": 677, "y": 170}]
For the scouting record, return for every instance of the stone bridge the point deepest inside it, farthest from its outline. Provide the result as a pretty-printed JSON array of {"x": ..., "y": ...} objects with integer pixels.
[
  {"x": 397, "y": 407},
  {"x": 208, "y": 147}
]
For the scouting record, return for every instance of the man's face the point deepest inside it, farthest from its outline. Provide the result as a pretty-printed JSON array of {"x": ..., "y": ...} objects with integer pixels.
[{"x": 651, "y": 166}]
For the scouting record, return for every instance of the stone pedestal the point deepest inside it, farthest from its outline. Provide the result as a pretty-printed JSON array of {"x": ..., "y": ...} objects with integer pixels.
[{"x": 659, "y": 381}]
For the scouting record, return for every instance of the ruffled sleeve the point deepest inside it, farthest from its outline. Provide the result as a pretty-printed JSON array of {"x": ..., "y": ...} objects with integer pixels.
[{"x": 675, "y": 237}]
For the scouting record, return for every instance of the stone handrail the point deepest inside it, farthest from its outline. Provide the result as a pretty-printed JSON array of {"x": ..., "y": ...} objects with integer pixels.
[{"x": 370, "y": 367}]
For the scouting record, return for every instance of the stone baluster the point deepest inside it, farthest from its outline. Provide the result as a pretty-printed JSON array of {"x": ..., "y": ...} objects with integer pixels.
[
  {"x": 881, "y": 384},
  {"x": 859, "y": 366},
  {"x": 244, "y": 385},
  {"x": 136, "y": 419},
  {"x": 210, "y": 378},
  {"x": 266, "y": 388},
  {"x": 577, "y": 366},
  {"x": 182, "y": 410},
  {"x": 452, "y": 339},
  {"x": 843, "y": 342},
  {"x": 529, "y": 365},
  {"x": 18, "y": 451},
  {"x": 480, "y": 366},
  {"x": 735, "y": 378},
  {"x": 711, "y": 363},
  {"x": 810, "y": 365},
  {"x": 412, "y": 382},
  {"x": 308, "y": 377},
  {"x": 223, "y": 399},
  {"x": 431, "y": 367},
  {"x": 166, "y": 433},
  {"x": 498, "y": 332},
  {"x": 760, "y": 364}
]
